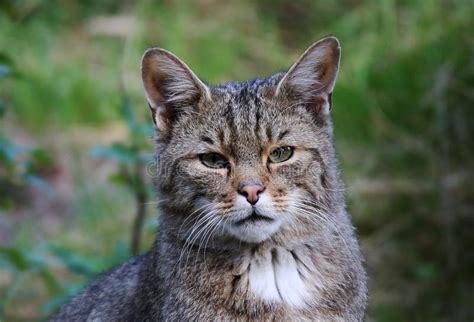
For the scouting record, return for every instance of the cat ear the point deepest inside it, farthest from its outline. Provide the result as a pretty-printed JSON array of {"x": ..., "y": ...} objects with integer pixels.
[
  {"x": 170, "y": 86},
  {"x": 312, "y": 78}
]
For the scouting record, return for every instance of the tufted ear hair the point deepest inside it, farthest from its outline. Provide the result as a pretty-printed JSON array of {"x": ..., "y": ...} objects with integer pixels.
[
  {"x": 312, "y": 78},
  {"x": 170, "y": 86}
]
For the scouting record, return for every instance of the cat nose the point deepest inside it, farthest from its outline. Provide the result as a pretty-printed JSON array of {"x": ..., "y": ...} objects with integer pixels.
[{"x": 250, "y": 189}]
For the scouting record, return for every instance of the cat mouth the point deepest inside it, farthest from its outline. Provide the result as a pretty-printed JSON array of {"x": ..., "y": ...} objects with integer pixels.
[
  {"x": 254, "y": 226},
  {"x": 253, "y": 218}
]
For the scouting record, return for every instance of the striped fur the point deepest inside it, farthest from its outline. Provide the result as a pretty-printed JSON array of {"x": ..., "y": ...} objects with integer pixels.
[{"x": 304, "y": 263}]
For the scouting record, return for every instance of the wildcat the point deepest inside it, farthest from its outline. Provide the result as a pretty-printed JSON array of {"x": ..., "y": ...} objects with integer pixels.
[{"x": 253, "y": 223}]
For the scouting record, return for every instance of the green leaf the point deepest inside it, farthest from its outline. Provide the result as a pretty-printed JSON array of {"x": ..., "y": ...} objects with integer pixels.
[
  {"x": 15, "y": 257},
  {"x": 7, "y": 155},
  {"x": 5, "y": 59},
  {"x": 40, "y": 158},
  {"x": 50, "y": 280},
  {"x": 120, "y": 178},
  {"x": 127, "y": 112},
  {"x": 3, "y": 108},
  {"x": 62, "y": 298},
  {"x": 76, "y": 263}
]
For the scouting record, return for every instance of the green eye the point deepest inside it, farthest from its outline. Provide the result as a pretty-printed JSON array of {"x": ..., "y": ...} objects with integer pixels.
[
  {"x": 213, "y": 160},
  {"x": 280, "y": 154}
]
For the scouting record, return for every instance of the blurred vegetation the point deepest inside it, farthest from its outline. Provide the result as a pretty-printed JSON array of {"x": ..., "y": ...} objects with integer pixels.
[
  {"x": 134, "y": 163},
  {"x": 74, "y": 123}
]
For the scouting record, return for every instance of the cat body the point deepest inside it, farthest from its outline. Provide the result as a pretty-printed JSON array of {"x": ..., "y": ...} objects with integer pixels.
[{"x": 253, "y": 223}]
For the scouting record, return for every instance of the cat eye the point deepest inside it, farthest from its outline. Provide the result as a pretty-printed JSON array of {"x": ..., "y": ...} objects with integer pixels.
[
  {"x": 213, "y": 160},
  {"x": 280, "y": 154}
]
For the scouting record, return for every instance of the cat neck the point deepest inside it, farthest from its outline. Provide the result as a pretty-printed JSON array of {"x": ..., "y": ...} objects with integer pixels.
[{"x": 275, "y": 271}]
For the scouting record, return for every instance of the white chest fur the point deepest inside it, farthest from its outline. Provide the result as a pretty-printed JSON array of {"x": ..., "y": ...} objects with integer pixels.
[{"x": 280, "y": 276}]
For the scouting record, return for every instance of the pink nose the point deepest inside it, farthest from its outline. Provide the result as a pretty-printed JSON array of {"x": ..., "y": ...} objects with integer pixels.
[{"x": 250, "y": 189}]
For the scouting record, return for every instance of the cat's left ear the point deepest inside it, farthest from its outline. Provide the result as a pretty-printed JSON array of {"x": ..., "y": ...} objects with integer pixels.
[{"x": 312, "y": 78}]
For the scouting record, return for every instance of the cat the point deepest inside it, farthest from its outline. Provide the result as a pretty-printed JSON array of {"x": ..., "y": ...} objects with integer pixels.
[{"x": 253, "y": 223}]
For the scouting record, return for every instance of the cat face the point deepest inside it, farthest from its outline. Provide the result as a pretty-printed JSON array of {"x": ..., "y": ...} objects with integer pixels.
[{"x": 243, "y": 159}]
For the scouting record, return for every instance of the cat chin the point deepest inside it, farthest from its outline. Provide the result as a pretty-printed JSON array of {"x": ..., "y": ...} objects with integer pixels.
[{"x": 255, "y": 232}]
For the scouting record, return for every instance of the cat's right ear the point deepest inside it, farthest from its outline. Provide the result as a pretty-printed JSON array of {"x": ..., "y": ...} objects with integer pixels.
[{"x": 170, "y": 86}]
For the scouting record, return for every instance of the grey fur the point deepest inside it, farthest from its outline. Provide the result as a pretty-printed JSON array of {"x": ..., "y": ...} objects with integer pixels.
[{"x": 192, "y": 274}]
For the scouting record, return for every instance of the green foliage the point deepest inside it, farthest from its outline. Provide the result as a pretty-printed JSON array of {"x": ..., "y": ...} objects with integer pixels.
[
  {"x": 21, "y": 262},
  {"x": 132, "y": 160},
  {"x": 87, "y": 266},
  {"x": 43, "y": 264},
  {"x": 131, "y": 156},
  {"x": 19, "y": 166},
  {"x": 134, "y": 152}
]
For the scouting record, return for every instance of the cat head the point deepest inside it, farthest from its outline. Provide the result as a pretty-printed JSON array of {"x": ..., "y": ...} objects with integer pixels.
[{"x": 245, "y": 159}]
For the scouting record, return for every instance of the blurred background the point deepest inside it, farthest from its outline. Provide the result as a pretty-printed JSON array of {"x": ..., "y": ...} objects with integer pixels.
[{"x": 75, "y": 135}]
